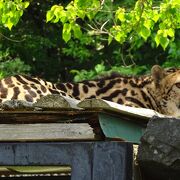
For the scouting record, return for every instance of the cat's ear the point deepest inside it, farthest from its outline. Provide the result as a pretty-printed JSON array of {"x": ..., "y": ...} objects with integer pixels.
[{"x": 157, "y": 74}]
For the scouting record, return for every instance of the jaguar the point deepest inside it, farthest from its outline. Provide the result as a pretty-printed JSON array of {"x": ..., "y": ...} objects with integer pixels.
[{"x": 160, "y": 90}]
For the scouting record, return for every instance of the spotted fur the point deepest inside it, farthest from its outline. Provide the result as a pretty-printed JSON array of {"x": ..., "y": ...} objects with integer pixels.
[{"x": 159, "y": 91}]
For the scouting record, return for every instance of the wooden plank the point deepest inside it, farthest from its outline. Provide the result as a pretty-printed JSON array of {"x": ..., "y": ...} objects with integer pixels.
[
  {"x": 34, "y": 169},
  {"x": 46, "y": 116},
  {"x": 46, "y": 132}
]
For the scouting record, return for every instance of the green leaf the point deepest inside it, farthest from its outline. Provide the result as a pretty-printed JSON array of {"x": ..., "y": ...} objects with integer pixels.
[
  {"x": 164, "y": 41},
  {"x": 148, "y": 24},
  {"x": 66, "y": 32},
  {"x": 67, "y": 27},
  {"x": 20, "y": 12},
  {"x": 66, "y": 36},
  {"x": 63, "y": 16},
  {"x": 117, "y": 37},
  {"x": 82, "y": 4},
  {"x": 4, "y": 18},
  {"x": 91, "y": 15},
  {"x": 155, "y": 16},
  {"x": 99, "y": 68},
  {"x": 120, "y": 14},
  {"x": 145, "y": 32},
  {"x": 77, "y": 31},
  {"x": 26, "y": 4},
  {"x": 170, "y": 32},
  {"x": 110, "y": 38},
  {"x": 81, "y": 14},
  {"x": 157, "y": 39},
  {"x": 49, "y": 16},
  {"x": 9, "y": 24},
  {"x": 162, "y": 25},
  {"x": 53, "y": 8}
]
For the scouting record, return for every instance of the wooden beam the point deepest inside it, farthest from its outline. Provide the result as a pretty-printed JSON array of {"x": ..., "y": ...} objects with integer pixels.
[
  {"x": 46, "y": 132},
  {"x": 46, "y": 116}
]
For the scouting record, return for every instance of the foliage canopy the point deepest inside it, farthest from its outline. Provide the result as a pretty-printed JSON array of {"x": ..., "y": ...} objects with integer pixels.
[
  {"x": 124, "y": 25},
  {"x": 106, "y": 35}
]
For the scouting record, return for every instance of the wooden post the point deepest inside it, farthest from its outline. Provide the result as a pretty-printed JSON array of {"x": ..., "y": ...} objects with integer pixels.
[{"x": 88, "y": 160}]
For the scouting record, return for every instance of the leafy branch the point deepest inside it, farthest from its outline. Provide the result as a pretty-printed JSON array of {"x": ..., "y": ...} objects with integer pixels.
[
  {"x": 11, "y": 11},
  {"x": 143, "y": 21},
  {"x": 146, "y": 20}
]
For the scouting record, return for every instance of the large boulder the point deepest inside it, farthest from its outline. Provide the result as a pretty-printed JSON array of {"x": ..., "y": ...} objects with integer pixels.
[{"x": 159, "y": 151}]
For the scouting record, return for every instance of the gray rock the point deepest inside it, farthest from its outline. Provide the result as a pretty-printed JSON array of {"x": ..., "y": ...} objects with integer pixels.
[
  {"x": 159, "y": 151},
  {"x": 51, "y": 101},
  {"x": 16, "y": 105}
]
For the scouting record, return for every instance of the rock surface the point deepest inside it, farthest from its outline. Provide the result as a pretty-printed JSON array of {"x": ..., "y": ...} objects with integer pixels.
[
  {"x": 159, "y": 151},
  {"x": 16, "y": 105},
  {"x": 52, "y": 101}
]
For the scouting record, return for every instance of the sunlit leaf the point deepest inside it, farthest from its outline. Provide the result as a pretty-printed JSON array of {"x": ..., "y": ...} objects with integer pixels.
[
  {"x": 11, "y": 11},
  {"x": 26, "y": 4},
  {"x": 9, "y": 24},
  {"x": 170, "y": 32},
  {"x": 66, "y": 32},
  {"x": 110, "y": 38},
  {"x": 120, "y": 14},
  {"x": 99, "y": 68},
  {"x": 156, "y": 16},
  {"x": 77, "y": 31},
  {"x": 148, "y": 24},
  {"x": 145, "y": 32},
  {"x": 81, "y": 14},
  {"x": 164, "y": 41},
  {"x": 66, "y": 36},
  {"x": 157, "y": 39},
  {"x": 49, "y": 16}
]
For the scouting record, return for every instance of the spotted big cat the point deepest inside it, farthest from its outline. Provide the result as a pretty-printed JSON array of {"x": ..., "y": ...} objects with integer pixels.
[{"x": 159, "y": 90}]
